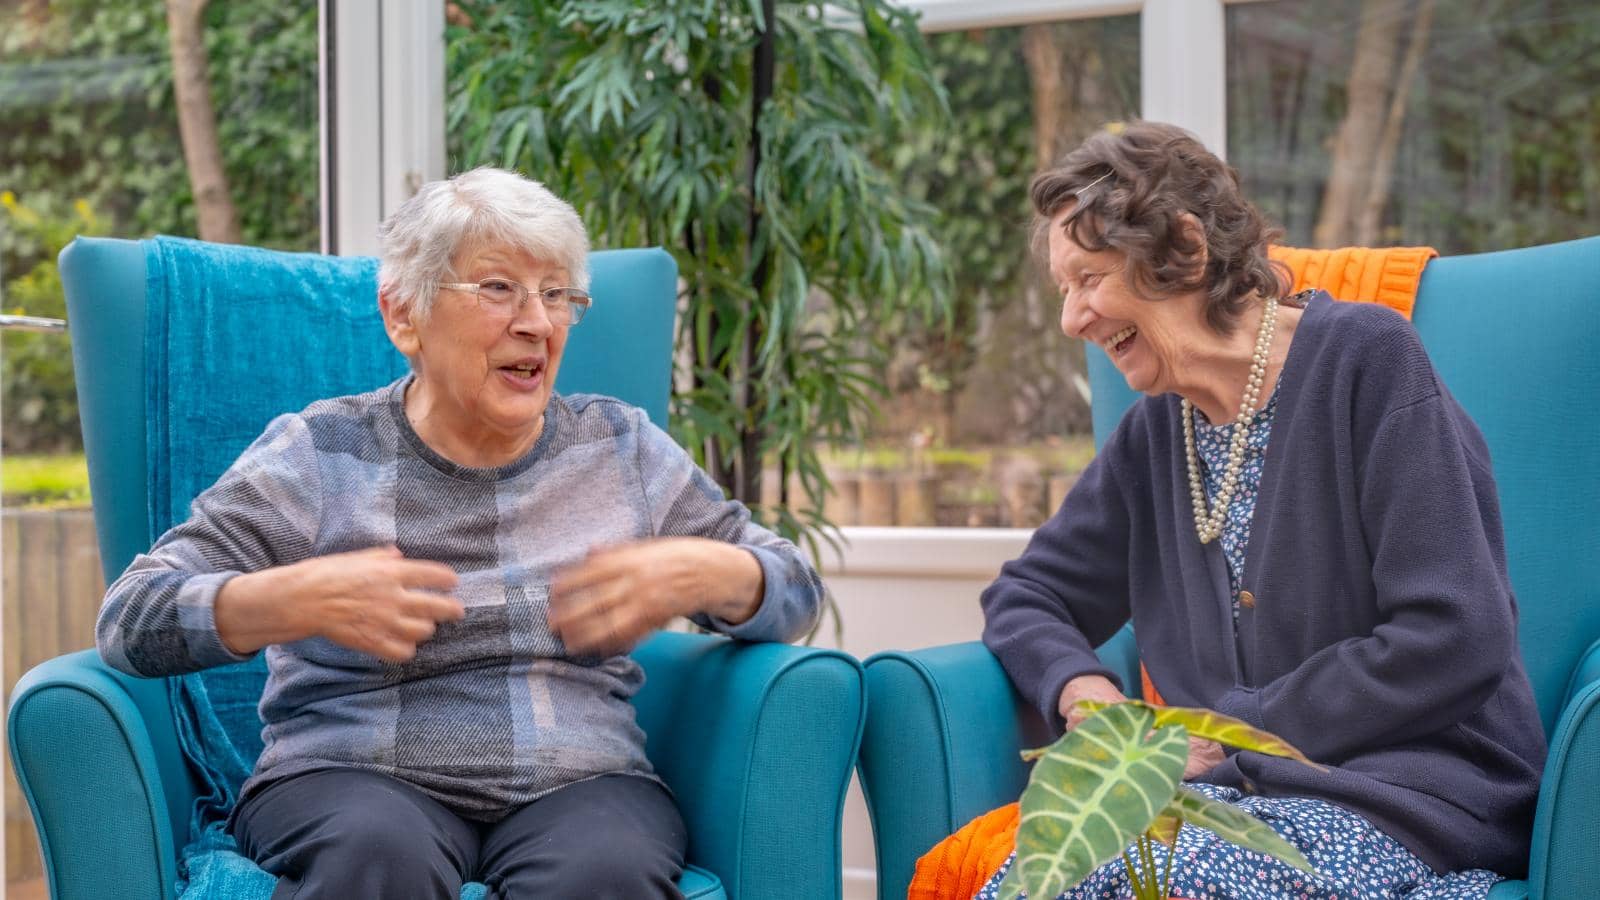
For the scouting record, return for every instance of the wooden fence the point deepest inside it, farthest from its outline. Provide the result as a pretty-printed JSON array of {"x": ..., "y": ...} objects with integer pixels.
[{"x": 51, "y": 592}]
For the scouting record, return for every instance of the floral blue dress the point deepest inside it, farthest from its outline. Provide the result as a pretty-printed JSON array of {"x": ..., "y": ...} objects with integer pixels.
[{"x": 1353, "y": 858}]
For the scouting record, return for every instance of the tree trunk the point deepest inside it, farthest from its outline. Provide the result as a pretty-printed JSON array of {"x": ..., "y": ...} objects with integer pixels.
[
  {"x": 1044, "y": 74},
  {"x": 746, "y": 484},
  {"x": 1367, "y": 226},
  {"x": 1355, "y": 145},
  {"x": 197, "y": 122}
]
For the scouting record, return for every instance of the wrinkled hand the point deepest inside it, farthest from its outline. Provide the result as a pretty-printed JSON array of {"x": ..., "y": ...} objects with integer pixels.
[
  {"x": 377, "y": 601},
  {"x": 617, "y": 596},
  {"x": 1204, "y": 756},
  {"x": 1085, "y": 687}
]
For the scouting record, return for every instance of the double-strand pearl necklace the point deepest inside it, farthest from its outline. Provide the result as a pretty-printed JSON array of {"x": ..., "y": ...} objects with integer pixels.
[{"x": 1208, "y": 524}]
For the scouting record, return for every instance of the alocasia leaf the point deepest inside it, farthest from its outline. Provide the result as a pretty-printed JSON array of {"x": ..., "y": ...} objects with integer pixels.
[
  {"x": 1214, "y": 726},
  {"x": 1090, "y": 794},
  {"x": 1233, "y": 824}
]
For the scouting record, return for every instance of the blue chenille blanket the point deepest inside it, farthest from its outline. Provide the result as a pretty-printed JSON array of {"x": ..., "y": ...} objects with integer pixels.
[{"x": 234, "y": 337}]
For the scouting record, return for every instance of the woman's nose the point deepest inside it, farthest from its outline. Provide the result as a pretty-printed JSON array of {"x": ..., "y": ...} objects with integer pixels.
[
  {"x": 1075, "y": 315},
  {"x": 532, "y": 319}
]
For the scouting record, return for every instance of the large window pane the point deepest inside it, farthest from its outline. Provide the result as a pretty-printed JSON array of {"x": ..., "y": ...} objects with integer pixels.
[
  {"x": 1467, "y": 125},
  {"x": 988, "y": 423},
  {"x": 91, "y": 145}
]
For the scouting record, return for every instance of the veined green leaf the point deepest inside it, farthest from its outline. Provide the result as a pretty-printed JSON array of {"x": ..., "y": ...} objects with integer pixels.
[
  {"x": 1214, "y": 726},
  {"x": 1165, "y": 828},
  {"x": 1094, "y": 791},
  {"x": 1236, "y": 825}
]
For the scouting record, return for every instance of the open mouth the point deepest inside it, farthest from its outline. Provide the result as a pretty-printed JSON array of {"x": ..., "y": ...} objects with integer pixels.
[
  {"x": 1119, "y": 343},
  {"x": 524, "y": 373}
]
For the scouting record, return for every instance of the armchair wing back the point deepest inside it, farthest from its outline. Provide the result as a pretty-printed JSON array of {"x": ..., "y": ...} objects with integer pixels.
[
  {"x": 1513, "y": 334},
  {"x": 183, "y": 352}
]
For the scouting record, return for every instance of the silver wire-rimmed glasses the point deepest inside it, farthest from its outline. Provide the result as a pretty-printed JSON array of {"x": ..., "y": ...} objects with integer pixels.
[{"x": 504, "y": 298}]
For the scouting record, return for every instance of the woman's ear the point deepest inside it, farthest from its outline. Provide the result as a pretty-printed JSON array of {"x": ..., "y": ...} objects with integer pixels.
[
  {"x": 1193, "y": 244},
  {"x": 398, "y": 321}
]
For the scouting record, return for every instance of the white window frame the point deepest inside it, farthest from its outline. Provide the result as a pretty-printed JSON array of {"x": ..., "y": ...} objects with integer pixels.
[
  {"x": 1182, "y": 49},
  {"x": 382, "y": 113}
]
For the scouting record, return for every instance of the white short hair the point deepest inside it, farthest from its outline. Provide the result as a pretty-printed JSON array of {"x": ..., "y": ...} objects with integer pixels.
[{"x": 483, "y": 206}]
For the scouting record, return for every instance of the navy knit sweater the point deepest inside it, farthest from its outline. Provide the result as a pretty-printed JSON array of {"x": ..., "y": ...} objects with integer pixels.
[{"x": 1383, "y": 638}]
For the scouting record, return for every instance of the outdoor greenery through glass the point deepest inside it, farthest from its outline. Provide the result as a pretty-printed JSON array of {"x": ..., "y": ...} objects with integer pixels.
[{"x": 801, "y": 257}]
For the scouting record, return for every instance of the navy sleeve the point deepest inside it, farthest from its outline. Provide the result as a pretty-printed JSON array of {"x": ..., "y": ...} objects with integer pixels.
[{"x": 1066, "y": 594}]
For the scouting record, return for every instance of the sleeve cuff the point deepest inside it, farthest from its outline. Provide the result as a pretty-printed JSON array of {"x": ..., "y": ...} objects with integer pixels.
[
  {"x": 773, "y": 620},
  {"x": 197, "y": 615}
]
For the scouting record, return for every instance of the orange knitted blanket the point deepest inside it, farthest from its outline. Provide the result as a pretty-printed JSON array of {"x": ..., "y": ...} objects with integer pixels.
[
  {"x": 960, "y": 865},
  {"x": 1387, "y": 275}
]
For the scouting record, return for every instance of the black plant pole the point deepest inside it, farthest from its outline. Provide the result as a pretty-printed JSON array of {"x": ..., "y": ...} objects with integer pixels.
[{"x": 747, "y": 469}]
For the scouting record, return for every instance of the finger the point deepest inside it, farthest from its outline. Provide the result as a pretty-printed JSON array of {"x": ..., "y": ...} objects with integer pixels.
[
  {"x": 592, "y": 626},
  {"x": 413, "y": 630},
  {"x": 425, "y": 574},
  {"x": 592, "y": 571},
  {"x": 394, "y": 650},
  {"x": 434, "y": 607}
]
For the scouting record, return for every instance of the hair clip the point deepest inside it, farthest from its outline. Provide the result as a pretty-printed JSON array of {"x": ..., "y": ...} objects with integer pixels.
[{"x": 1079, "y": 192}]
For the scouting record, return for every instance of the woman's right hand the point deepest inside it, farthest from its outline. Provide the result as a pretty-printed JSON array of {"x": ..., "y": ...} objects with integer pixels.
[
  {"x": 374, "y": 601},
  {"x": 1085, "y": 687}
]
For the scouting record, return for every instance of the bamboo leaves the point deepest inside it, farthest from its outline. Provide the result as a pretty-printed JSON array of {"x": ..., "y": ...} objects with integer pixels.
[{"x": 800, "y": 262}]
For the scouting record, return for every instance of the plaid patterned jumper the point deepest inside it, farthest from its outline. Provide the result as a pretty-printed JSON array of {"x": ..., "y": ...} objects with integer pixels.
[{"x": 492, "y": 712}]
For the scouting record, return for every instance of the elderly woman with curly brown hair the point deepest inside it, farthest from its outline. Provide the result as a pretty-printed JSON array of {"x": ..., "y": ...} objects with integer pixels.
[{"x": 1301, "y": 523}]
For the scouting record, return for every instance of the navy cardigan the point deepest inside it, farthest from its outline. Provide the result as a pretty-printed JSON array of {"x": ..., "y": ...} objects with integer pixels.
[{"x": 1383, "y": 638}]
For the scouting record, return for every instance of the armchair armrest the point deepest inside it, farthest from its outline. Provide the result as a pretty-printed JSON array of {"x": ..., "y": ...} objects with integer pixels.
[
  {"x": 942, "y": 744},
  {"x": 1564, "y": 855},
  {"x": 941, "y": 747},
  {"x": 96, "y": 756},
  {"x": 757, "y": 743}
]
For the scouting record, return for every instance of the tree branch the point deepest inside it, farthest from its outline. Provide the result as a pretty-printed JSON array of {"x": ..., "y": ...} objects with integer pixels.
[{"x": 197, "y": 122}]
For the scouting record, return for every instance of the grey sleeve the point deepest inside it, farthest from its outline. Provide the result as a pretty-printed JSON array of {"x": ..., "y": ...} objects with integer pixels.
[
  {"x": 157, "y": 618},
  {"x": 684, "y": 501}
]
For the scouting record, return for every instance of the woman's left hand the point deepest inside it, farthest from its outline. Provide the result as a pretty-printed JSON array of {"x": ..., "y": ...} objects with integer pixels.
[
  {"x": 1204, "y": 756},
  {"x": 617, "y": 596}
]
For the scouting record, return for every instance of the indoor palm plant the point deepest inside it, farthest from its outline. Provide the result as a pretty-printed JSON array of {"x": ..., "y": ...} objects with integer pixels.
[{"x": 1116, "y": 780}]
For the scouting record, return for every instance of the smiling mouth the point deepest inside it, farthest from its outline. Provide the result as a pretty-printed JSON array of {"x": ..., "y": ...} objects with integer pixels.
[
  {"x": 525, "y": 371},
  {"x": 1119, "y": 343}
]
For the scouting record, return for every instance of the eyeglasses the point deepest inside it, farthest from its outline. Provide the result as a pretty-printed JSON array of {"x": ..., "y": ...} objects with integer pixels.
[{"x": 504, "y": 298}]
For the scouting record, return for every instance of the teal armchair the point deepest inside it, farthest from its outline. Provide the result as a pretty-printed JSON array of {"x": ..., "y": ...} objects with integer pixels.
[
  {"x": 1516, "y": 337},
  {"x": 756, "y": 741}
]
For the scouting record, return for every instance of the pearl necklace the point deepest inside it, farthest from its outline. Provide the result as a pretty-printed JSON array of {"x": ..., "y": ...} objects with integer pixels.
[{"x": 1208, "y": 523}]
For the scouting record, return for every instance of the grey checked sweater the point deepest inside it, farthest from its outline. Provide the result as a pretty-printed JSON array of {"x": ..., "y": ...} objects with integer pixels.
[{"x": 493, "y": 711}]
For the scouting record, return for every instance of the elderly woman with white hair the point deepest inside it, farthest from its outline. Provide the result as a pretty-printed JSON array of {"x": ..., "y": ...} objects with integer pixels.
[{"x": 446, "y": 575}]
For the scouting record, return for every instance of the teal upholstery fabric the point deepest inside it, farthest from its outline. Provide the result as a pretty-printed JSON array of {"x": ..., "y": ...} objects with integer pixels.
[
  {"x": 1514, "y": 336},
  {"x": 756, "y": 741},
  {"x": 237, "y": 335}
]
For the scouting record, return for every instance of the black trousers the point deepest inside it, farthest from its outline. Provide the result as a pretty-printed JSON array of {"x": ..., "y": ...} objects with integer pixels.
[{"x": 354, "y": 835}]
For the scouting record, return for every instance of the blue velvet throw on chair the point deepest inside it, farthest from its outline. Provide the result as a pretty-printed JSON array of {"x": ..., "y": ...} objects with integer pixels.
[{"x": 234, "y": 336}]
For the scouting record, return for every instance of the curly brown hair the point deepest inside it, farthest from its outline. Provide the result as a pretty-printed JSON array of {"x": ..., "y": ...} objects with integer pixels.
[{"x": 1130, "y": 187}]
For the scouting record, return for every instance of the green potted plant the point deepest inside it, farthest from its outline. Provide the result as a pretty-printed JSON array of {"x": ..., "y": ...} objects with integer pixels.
[{"x": 1116, "y": 780}]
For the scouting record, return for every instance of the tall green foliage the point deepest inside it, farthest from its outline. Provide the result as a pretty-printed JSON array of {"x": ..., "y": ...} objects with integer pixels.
[
  {"x": 36, "y": 385},
  {"x": 86, "y": 88},
  {"x": 796, "y": 276}
]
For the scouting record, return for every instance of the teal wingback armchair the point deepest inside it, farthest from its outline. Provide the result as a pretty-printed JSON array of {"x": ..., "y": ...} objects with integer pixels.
[
  {"x": 756, "y": 741},
  {"x": 1516, "y": 337}
]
